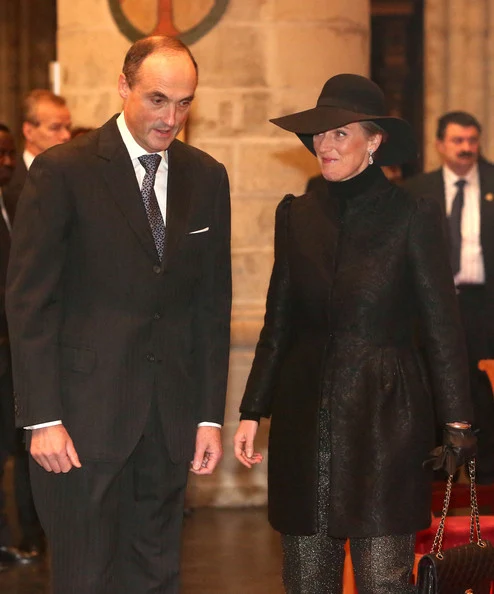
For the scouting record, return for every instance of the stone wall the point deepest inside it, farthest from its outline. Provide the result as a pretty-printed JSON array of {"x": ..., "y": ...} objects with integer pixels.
[{"x": 265, "y": 58}]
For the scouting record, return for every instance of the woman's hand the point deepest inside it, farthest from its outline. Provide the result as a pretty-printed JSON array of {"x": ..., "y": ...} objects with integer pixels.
[
  {"x": 244, "y": 443},
  {"x": 459, "y": 446}
]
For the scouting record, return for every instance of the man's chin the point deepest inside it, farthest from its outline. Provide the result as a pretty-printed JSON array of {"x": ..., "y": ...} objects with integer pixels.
[
  {"x": 162, "y": 141},
  {"x": 466, "y": 162},
  {"x": 5, "y": 178}
]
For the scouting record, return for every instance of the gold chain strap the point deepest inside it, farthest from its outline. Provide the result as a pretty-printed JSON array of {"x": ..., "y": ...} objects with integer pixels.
[
  {"x": 437, "y": 545},
  {"x": 474, "y": 506}
]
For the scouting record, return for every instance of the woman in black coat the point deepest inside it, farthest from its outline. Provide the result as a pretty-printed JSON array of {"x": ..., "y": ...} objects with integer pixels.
[{"x": 353, "y": 403}]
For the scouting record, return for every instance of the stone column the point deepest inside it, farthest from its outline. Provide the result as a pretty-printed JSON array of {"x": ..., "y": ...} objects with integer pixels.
[
  {"x": 459, "y": 57},
  {"x": 265, "y": 58}
]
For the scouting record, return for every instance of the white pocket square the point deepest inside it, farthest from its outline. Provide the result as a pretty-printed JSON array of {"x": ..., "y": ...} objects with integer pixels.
[{"x": 203, "y": 230}]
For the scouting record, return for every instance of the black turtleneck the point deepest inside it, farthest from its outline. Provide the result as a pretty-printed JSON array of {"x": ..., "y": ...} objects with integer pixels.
[{"x": 358, "y": 185}]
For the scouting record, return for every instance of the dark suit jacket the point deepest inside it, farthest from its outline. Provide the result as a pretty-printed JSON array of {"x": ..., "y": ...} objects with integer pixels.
[
  {"x": 7, "y": 426},
  {"x": 338, "y": 331},
  {"x": 98, "y": 326},
  {"x": 431, "y": 185},
  {"x": 13, "y": 190}
]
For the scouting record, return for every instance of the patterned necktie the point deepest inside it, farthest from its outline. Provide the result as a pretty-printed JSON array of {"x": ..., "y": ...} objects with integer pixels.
[
  {"x": 455, "y": 226},
  {"x": 155, "y": 218}
]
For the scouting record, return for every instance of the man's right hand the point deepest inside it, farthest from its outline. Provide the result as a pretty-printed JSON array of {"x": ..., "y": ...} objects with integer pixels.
[{"x": 53, "y": 449}]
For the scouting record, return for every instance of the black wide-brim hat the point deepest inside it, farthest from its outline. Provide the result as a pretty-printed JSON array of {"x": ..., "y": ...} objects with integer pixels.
[{"x": 348, "y": 98}]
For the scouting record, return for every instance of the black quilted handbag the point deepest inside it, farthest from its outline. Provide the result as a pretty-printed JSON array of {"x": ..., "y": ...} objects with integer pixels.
[{"x": 465, "y": 569}]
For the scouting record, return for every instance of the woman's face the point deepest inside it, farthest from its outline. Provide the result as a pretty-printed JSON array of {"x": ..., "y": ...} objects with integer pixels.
[{"x": 344, "y": 152}]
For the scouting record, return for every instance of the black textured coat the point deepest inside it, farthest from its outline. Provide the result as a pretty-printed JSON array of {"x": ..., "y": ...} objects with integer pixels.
[{"x": 344, "y": 294}]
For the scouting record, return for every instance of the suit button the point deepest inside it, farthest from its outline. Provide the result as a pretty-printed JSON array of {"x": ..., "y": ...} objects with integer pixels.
[
  {"x": 156, "y": 269},
  {"x": 150, "y": 357},
  {"x": 157, "y": 316}
]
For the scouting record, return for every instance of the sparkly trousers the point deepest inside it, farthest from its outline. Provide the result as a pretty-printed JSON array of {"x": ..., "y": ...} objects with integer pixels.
[{"x": 314, "y": 564}]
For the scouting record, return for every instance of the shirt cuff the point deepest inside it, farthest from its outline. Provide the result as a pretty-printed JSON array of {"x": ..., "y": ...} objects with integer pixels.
[
  {"x": 42, "y": 425},
  {"x": 208, "y": 424}
]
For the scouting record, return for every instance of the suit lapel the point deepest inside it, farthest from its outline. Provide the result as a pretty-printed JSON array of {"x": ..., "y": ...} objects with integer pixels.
[
  {"x": 119, "y": 174},
  {"x": 486, "y": 179},
  {"x": 436, "y": 188},
  {"x": 179, "y": 196}
]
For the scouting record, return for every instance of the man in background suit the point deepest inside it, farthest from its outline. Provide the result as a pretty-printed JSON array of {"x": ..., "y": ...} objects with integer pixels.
[
  {"x": 464, "y": 187},
  {"x": 46, "y": 123},
  {"x": 119, "y": 294},
  {"x": 9, "y": 554},
  {"x": 7, "y": 163}
]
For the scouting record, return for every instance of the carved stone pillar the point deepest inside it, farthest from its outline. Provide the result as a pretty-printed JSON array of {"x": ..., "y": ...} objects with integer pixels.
[
  {"x": 264, "y": 58},
  {"x": 459, "y": 59}
]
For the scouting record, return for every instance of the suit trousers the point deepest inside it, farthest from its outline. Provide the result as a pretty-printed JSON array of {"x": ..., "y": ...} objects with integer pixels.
[
  {"x": 115, "y": 527},
  {"x": 314, "y": 564},
  {"x": 5, "y": 532},
  {"x": 7, "y": 432},
  {"x": 480, "y": 345}
]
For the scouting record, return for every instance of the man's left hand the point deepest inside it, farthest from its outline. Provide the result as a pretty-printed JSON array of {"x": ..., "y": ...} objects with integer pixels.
[{"x": 209, "y": 450}]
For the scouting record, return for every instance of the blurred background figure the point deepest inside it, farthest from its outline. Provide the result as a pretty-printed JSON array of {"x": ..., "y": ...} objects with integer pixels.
[
  {"x": 46, "y": 123},
  {"x": 8, "y": 553},
  {"x": 464, "y": 188}
]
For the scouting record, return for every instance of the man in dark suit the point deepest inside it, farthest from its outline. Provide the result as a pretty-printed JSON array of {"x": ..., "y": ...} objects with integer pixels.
[
  {"x": 119, "y": 294},
  {"x": 464, "y": 187},
  {"x": 46, "y": 123}
]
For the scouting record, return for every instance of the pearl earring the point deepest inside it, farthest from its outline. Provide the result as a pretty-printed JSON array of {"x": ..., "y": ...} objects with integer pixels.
[{"x": 371, "y": 158}]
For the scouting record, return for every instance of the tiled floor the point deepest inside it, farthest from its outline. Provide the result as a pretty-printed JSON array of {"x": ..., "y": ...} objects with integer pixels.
[{"x": 225, "y": 552}]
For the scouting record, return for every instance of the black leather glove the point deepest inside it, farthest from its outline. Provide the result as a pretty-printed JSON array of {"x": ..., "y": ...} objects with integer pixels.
[{"x": 459, "y": 446}]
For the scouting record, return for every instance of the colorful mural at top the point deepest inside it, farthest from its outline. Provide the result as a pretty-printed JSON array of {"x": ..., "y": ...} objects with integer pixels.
[{"x": 139, "y": 18}]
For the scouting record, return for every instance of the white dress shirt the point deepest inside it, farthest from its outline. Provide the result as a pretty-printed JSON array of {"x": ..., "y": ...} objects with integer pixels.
[
  {"x": 28, "y": 159},
  {"x": 136, "y": 151},
  {"x": 160, "y": 189},
  {"x": 5, "y": 214},
  {"x": 471, "y": 257}
]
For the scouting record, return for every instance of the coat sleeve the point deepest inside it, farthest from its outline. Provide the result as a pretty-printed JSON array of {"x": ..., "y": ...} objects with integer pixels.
[
  {"x": 35, "y": 291},
  {"x": 444, "y": 338},
  {"x": 274, "y": 334},
  {"x": 215, "y": 308}
]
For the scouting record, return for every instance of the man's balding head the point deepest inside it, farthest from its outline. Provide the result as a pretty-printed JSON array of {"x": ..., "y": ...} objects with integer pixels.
[{"x": 46, "y": 122}]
